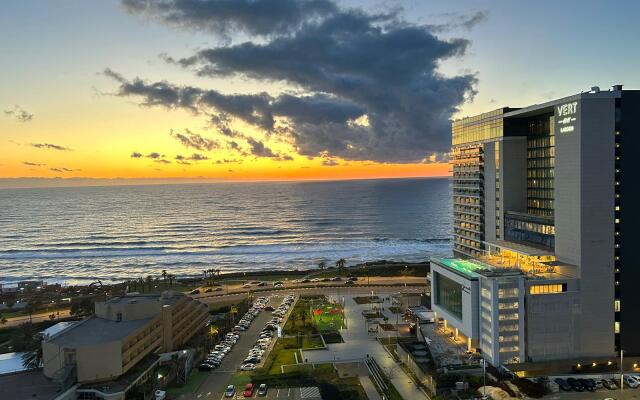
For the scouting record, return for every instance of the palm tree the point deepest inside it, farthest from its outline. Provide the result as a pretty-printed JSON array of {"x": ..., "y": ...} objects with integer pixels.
[
  {"x": 171, "y": 277},
  {"x": 322, "y": 265},
  {"x": 32, "y": 359},
  {"x": 150, "y": 281},
  {"x": 341, "y": 264},
  {"x": 164, "y": 276}
]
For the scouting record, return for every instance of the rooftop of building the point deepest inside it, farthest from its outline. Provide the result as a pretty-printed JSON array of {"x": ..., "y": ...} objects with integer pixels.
[
  {"x": 95, "y": 330},
  {"x": 168, "y": 297},
  {"x": 472, "y": 269}
]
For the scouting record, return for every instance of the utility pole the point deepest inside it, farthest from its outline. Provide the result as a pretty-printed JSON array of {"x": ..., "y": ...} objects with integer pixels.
[{"x": 621, "y": 373}]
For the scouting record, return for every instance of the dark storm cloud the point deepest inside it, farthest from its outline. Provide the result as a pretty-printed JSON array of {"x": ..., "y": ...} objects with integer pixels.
[
  {"x": 50, "y": 146},
  {"x": 32, "y": 164},
  {"x": 256, "y": 17},
  {"x": 19, "y": 114},
  {"x": 194, "y": 140},
  {"x": 349, "y": 64},
  {"x": 258, "y": 149}
]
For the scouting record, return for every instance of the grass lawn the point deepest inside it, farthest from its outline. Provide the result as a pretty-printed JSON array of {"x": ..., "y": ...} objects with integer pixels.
[
  {"x": 193, "y": 383},
  {"x": 332, "y": 337},
  {"x": 331, "y": 318},
  {"x": 240, "y": 379}
]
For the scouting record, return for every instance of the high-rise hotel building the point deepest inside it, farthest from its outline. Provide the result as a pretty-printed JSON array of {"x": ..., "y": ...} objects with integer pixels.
[{"x": 545, "y": 212}]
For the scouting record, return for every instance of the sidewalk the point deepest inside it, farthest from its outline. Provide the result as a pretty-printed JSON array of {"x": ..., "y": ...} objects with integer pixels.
[
  {"x": 369, "y": 388},
  {"x": 358, "y": 344}
]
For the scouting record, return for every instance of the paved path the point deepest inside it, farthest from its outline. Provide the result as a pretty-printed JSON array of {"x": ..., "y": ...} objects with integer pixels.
[
  {"x": 14, "y": 321},
  {"x": 358, "y": 343},
  {"x": 369, "y": 388}
]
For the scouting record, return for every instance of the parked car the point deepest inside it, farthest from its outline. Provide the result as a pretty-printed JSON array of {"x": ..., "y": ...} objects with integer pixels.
[
  {"x": 248, "y": 367},
  {"x": 195, "y": 291},
  {"x": 631, "y": 382},
  {"x": 563, "y": 385},
  {"x": 230, "y": 391},
  {"x": 575, "y": 384},
  {"x": 610, "y": 384},
  {"x": 349, "y": 283},
  {"x": 588, "y": 384},
  {"x": 262, "y": 390},
  {"x": 248, "y": 390},
  {"x": 206, "y": 367}
]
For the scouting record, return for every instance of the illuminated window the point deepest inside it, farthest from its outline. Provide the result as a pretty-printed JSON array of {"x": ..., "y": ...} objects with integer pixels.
[
  {"x": 616, "y": 305},
  {"x": 548, "y": 288},
  {"x": 616, "y": 327}
]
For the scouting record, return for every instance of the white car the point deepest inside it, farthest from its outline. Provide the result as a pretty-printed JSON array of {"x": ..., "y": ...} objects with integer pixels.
[
  {"x": 631, "y": 381},
  {"x": 248, "y": 367}
]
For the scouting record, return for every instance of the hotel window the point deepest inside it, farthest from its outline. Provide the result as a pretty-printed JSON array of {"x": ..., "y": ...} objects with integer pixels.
[
  {"x": 616, "y": 305},
  {"x": 616, "y": 327},
  {"x": 548, "y": 288}
]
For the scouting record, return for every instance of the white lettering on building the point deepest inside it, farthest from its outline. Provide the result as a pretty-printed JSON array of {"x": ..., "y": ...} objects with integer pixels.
[{"x": 567, "y": 109}]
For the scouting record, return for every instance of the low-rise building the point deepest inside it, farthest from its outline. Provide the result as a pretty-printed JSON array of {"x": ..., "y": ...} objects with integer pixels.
[{"x": 124, "y": 332}]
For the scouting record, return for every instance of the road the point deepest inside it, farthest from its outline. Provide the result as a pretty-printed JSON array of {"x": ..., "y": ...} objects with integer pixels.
[
  {"x": 626, "y": 394},
  {"x": 214, "y": 386},
  {"x": 14, "y": 321},
  {"x": 341, "y": 290}
]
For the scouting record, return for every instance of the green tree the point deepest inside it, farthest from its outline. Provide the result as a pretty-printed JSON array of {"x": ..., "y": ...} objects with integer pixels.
[
  {"x": 81, "y": 306},
  {"x": 341, "y": 264},
  {"x": 32, "y": 306},
  {"x": 32, "y": 359},
  {"x": 322, "y": 265}
]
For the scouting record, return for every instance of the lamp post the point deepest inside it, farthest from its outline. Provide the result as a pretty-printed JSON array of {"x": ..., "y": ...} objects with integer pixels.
[{"x": 621, "y": 371}]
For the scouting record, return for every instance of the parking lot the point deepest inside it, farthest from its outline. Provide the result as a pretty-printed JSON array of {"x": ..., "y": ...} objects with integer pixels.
[{"x": 214, "y": 386}]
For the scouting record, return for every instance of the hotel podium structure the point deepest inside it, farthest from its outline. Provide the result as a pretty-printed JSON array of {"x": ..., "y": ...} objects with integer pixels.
[{"x": 545, "y": 199}]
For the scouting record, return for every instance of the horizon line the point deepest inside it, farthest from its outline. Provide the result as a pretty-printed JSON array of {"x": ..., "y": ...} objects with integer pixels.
[{"x": 60, "y": 182}]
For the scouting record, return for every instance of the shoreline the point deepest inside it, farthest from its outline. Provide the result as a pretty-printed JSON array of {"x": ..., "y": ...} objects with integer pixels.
[{"x": 265, "y": 273}]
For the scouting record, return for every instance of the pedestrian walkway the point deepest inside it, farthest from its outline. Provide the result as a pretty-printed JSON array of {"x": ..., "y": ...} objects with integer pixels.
[
  {"x": 369, "y": 388},
  {"x": 358, "y": 343}
]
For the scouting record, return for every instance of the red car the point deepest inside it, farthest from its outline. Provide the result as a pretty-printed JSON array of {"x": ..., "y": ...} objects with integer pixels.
[{"x": 248, "y": 390}]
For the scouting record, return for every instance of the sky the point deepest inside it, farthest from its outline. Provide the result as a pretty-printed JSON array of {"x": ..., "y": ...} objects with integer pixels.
[{"x": 283, "y": 89}]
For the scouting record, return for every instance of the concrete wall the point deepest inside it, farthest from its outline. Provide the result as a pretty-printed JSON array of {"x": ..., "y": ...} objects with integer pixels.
[
  {"x": 131, "y": 309},
  {"x": 99, "y": 362},
  {"x": 597, "y": 193},
  {"x": 469, "y": 323}
]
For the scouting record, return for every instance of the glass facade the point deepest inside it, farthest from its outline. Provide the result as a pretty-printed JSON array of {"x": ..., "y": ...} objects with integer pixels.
[
  {"x": 449, "y": 295},
  {"x": 540, "y": 165},
  {"x": 467, "y": 157},
  {"x": 529, "y": 229}
]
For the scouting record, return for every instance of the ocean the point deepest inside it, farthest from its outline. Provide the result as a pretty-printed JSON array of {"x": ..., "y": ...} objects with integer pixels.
[{"x": 77, "y": 235}]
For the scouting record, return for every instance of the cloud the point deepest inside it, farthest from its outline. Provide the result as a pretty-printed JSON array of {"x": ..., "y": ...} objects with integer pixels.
[
  {"x": 194, "y": 157},
  {"x": 367, "y": 86},
  {"x": 19, "y": 114},
  {"x": 330, "y": 162},
  {"x": 194, "y": 140},
  {"x": 162, "y": 161},
  {"x": 32, "y": 164},
  {"x": 135, "y": 154},
  {"x": 458, "y": 20},
  {"x": 49, "y": 146},
  {"x": 255, "y": 17},
  {"x": 62, "y": 169}
]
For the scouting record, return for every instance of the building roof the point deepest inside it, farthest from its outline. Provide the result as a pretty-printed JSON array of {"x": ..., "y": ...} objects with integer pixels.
[
  {"x": 468, "y": 268},
  {"x": 472, "y": 269},
  {"x": 96, "y": 330}
]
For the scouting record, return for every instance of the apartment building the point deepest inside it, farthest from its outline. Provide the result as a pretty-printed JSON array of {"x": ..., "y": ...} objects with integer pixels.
[
  {"x": 124, "y": 333},
  {"x": 543, "y": 212}
]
